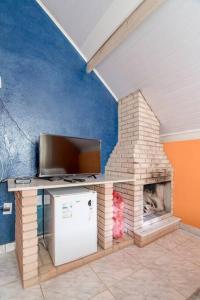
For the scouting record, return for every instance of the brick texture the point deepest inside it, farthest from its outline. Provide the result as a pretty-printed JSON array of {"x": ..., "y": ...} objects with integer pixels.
[
  {"x": 104, "y": 214},
  {"x": 138, "y": 153},
  {"x": 26, "y": 236}
]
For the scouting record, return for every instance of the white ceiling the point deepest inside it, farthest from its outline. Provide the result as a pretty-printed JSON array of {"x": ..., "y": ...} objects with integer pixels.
[
  {"x": 161, "y": 57},
  {"x": 77, "y": 17}
]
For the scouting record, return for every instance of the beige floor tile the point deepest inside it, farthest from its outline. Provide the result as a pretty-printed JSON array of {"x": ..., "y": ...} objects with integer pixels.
[
  {"x": 190, "y": 235},
  {"x": 80, "y": 284},
  {"x": 180, "y": 235},
  {"x": 147, "y": 254},
  {"x": 14, "y": 291},
  {"x": 189, "y": 251},
  {"x": 179, "y": 273},
  {"x": 104, "y": 296},
  {"x": 144, "y": 285},
  {"x": 195, "y": 295},
  {"x": 194, "y": 238},
  {"x": 8, "y": 268},
  {"x": 115, "y": 267},
  {"x": 172, "y": 240},
  {"x": 166, "y": 269}
]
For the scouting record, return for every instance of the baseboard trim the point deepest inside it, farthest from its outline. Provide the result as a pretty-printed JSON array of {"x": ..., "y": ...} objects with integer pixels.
[
  {"x": 7, "y": 248},
  {"x": 191, "y": 229},
  {"x": 181, "y": 136}
]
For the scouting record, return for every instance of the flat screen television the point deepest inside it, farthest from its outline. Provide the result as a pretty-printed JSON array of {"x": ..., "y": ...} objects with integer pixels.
[{"x": 64, "y": 155}]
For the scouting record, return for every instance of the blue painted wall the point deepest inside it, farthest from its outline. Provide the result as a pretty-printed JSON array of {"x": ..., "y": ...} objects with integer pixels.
[{"x": 45, "y": 89}]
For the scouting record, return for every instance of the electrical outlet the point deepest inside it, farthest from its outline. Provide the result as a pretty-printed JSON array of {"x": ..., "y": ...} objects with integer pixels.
[{"x": 7, "y": 208}]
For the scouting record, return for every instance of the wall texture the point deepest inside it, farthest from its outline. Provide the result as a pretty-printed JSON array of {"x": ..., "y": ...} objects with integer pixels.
[
  {"x": 185, "y": 159},
  {"x": 44, "y": 89}
]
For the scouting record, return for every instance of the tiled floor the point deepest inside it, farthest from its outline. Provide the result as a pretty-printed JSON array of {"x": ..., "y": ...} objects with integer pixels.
[
  {"x": 168, "y": 269},
  {"x": 48, "y": 271}
]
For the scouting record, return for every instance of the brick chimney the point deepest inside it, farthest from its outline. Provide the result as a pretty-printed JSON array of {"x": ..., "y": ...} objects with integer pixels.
[{"x": 138, "y": 153}]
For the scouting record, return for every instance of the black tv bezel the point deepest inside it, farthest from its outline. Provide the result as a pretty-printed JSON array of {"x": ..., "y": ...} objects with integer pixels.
[{"x": 67, "y": 174}]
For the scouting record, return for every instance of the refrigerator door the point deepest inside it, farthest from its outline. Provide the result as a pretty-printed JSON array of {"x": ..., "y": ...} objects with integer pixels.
[{"x": 75, "y": 228}]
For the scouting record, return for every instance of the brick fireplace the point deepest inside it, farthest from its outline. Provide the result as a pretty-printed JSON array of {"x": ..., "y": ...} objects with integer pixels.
[{"x": 140, "y": 153}]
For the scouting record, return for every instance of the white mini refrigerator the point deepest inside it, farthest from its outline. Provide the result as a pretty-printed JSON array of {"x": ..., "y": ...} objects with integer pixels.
[{"x": 70, "y": 223}]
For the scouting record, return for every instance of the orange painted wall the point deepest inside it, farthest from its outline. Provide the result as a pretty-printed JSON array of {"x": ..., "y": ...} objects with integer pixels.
[{"x": 185, "y": 158}]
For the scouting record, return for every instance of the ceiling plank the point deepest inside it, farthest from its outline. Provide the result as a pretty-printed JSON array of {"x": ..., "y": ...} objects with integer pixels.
[
  {"x": 121, "y": 33},
  {"x": 114, "y": 16}
]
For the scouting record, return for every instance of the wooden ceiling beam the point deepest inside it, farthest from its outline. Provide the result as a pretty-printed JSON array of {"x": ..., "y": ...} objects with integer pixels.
[{"x": 121, "y": 33}]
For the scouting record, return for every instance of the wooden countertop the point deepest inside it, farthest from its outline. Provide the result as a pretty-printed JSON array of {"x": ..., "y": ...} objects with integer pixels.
[{"x": 39, "y": 184}]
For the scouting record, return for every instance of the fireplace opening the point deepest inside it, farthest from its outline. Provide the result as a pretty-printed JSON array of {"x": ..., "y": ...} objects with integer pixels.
[{"x": 156, "y": 200}]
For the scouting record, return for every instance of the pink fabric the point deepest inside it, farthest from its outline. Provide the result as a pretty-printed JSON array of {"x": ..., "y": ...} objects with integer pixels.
[{"x": 118, "y": 218}]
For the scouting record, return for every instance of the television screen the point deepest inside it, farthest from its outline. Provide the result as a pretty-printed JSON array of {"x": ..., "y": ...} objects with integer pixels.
[{"x": 62, "y": 155}]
